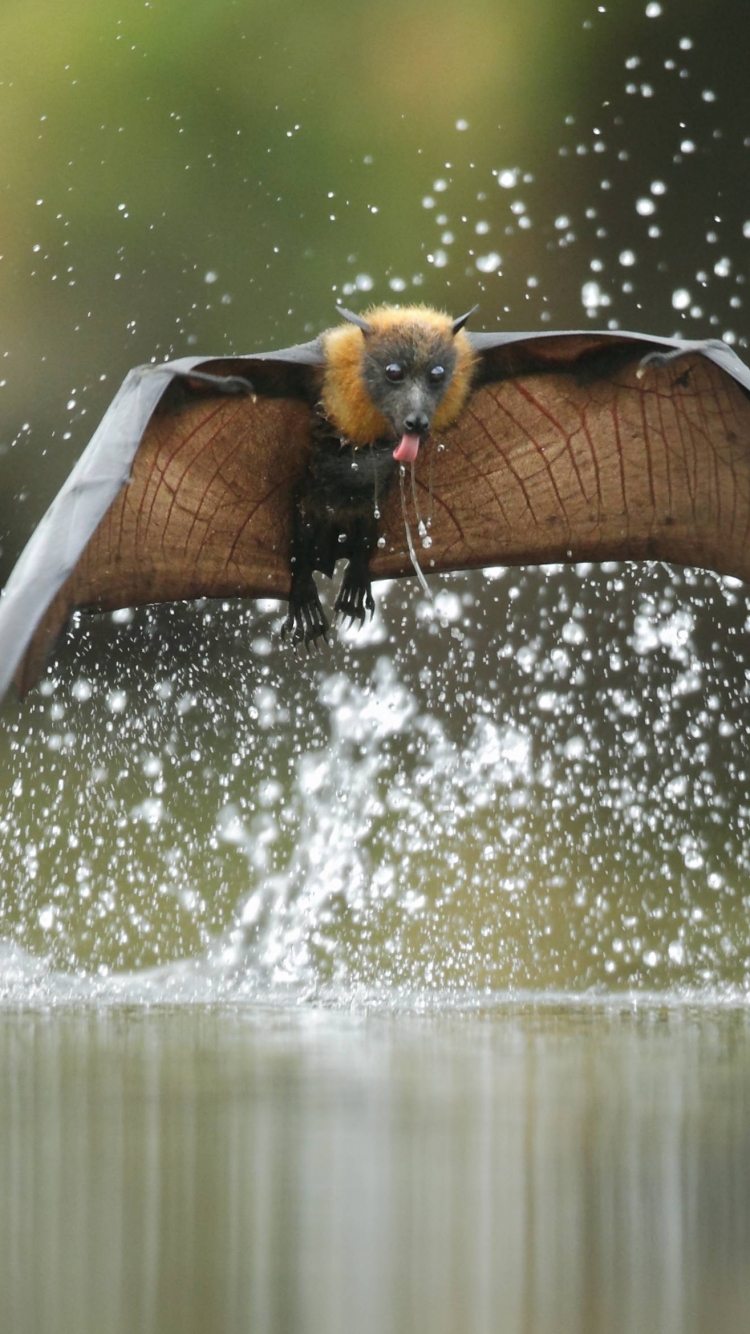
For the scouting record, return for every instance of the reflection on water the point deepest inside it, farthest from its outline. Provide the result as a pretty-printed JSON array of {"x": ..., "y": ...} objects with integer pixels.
[{"x": 523, "y": 1170}]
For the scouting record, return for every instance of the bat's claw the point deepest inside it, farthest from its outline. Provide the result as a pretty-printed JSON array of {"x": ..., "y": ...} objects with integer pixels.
[
  {"x": 235, "y": 384},
  {"x": 355, "y": 597},
  {"x": 306, "y": 621},
  {"x": 221, "y": 384}
]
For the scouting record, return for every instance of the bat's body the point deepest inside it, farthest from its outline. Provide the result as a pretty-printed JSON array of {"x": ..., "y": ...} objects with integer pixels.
[
  {"x": 537, "y": 447},
  {"x": 335, "y": 515},
  {"x": 387, "y": 380}
]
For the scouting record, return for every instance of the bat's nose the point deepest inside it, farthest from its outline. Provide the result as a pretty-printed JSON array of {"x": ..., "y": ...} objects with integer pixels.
[{"x": 417, "y": 423}]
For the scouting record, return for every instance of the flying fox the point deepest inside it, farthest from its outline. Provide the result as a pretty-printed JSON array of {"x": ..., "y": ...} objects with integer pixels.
[
  {"x": 389, "y": 379},
  {"x": 242, "y": 476}
]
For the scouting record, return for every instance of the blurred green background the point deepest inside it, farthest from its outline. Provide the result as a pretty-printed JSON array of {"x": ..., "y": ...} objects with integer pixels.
[{"x": 212, "y": 178}]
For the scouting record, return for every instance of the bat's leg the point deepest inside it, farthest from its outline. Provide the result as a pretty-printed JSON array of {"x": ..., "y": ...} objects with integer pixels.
[
  {"x": 306, "y": 620},
  {"x": 355, "y": 595}
]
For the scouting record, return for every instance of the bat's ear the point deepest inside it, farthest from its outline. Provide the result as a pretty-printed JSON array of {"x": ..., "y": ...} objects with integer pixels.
[
  {"x": 460, "y": 322},
  {"x": 355, "y": 319}
]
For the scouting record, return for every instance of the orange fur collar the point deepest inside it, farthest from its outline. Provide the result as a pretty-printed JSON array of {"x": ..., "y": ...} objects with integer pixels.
[{"x": 344, "y": 395}]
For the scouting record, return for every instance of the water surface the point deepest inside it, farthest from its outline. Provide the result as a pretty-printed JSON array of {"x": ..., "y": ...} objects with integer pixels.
[{"x": 524, "y": 1168}]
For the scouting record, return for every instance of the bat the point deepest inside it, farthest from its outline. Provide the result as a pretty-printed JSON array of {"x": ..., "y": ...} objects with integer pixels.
[{"x": 240, "y": 476}]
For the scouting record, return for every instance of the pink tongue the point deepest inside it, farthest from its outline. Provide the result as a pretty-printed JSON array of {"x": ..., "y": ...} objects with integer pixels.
[{"x": 407, "y": 450}]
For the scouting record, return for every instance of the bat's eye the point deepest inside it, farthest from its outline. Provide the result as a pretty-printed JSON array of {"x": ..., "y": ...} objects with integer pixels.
[
  {"x": 394, "y": 371},
  {"x": 437, "y": 374}
]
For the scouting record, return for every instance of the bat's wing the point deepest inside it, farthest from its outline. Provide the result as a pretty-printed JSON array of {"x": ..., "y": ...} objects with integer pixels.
[
  {"x": 570, "y": 345},
  {"x": 588, "y": 446},
  {"x": 180, "y": 493},
  {"x": 575, "y": 446}
]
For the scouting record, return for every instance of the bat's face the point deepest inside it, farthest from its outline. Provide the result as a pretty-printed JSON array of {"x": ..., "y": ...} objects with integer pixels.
[
  {"x": 398, "y": 373},
  {"x": 406, "y": 374}
]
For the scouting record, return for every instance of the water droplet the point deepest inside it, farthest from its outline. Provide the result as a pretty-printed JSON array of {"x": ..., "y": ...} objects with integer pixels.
[
  {"x": 507, "y": 179},
  {"x": 488, "y": 263}
]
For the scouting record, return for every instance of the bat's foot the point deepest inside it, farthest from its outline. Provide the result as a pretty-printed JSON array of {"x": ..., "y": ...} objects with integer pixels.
[
  {"x": 306, "y": 621},
  {"x": 355, "y": 596}
]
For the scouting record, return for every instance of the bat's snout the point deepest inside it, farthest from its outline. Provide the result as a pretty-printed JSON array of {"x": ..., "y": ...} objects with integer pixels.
[
  {"x": 417, "y": 423},
  {"x": 416, "y": 428}
]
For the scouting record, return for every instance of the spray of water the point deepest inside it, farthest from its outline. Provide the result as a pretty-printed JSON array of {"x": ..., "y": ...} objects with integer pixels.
[{"x": 407, "y": 527}]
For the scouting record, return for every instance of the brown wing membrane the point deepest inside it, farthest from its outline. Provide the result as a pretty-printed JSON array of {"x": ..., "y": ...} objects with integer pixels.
[
  {"x": 571, "y": 449},
  {"x": 574, "y": 451},
  {"x": 207, "y": 513}
]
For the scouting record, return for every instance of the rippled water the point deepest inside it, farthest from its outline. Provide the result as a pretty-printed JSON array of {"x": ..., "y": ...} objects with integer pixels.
[{"x": 523, "y": 1169}]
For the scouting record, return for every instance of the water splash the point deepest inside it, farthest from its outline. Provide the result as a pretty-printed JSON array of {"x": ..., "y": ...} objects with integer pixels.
[
  {"x": 407, "y": 528},
  {"x": 514, "y": 795}
]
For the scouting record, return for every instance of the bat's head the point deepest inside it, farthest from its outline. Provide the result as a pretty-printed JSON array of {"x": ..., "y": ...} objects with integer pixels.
[{"x": 397, "y": 373}]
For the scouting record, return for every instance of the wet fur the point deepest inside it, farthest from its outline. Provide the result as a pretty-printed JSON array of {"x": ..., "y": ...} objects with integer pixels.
[
  {"x": 412, "y": 332},
  {"x": 352, "y": 465}
]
